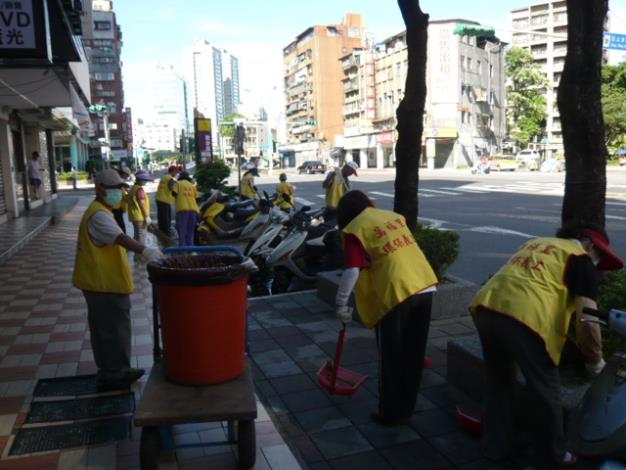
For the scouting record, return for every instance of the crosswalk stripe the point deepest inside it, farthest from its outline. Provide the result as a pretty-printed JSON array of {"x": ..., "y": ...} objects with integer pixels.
[
  {"x": 378, "y": 193},
  {"x": 305, "y": 201},
  {"x": 436, "y": 191},
  {"x": 321, "y": 196},
  {"x": 467, "y": 190}
]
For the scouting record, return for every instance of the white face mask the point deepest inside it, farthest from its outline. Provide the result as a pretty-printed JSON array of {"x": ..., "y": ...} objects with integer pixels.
[{"x": 595, "y": 262}]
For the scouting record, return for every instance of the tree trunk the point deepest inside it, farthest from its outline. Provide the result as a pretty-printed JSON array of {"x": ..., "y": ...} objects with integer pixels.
[
  {"x": 410, "y": 113},
  {"x": 580, "y": 106}
]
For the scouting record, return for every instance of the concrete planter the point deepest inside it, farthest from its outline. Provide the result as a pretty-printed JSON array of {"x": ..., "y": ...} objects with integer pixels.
[{"x": 451, "y": 299}]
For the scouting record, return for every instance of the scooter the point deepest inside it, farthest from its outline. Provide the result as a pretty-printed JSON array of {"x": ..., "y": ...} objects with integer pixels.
[
  {"x": 223, "y": 218},
  {"x": 306, "y": 250},
  {"x": 598, "y": 429}
]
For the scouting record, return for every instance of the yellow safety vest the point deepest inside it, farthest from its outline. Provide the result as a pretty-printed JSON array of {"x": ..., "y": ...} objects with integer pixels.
[
  {"x": 134, "y": 211},
  {"x": 336, "y": 190},
  {"x": 100, "y": 268},
  {"x": 531, "y": 289},
  {"x": 164, "y": 193},
  {"x": 285, "y": 188},
  {"x": 186, "y": 194},
  {"x": 398, "y": 268},
  {"x": 247, "y": 186}
]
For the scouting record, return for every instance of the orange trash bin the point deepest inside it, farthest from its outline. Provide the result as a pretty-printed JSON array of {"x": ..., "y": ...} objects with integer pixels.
[{"x": 202, "y": 306}]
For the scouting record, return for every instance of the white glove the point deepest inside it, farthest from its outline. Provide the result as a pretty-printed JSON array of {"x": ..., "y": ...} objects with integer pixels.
[
  {"x": 593, "y": 370},
  {"x": 344, "y": 313},
  {"x": 151, "y": 253},
  {"x": 148, "y": 220}
]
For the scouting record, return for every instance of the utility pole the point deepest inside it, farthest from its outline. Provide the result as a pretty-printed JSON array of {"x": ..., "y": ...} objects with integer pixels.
[{"x": 240, "y": 137}]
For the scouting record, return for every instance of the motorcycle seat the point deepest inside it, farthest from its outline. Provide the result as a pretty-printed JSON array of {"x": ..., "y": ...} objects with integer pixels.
[
  {"x": 241, "y": 204},
  {"x": 244, "y": 212}
]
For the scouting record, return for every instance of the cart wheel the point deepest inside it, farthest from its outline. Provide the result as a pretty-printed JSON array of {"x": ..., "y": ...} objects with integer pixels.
[
  {"x": 246, "y": 444},
  {"x": 149, "y": 448}
]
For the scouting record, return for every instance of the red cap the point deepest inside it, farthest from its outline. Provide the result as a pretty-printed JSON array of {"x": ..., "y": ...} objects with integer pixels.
[{"x": 609, "y": 260}]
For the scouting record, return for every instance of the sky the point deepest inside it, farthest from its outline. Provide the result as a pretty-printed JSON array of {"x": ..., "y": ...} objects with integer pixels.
[{"x": 156, "y": 31}]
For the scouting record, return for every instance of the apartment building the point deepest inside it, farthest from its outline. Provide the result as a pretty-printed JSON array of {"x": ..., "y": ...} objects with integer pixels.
[
  {"x": 313, "y": 86},
  {"x": 464, "y": 113},
  {"x": 102, "y": 38},
  {"x": 542, "y": 29}
]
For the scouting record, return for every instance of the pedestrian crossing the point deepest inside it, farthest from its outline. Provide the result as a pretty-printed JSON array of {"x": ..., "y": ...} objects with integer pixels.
[{"x": 518, "y": 187}]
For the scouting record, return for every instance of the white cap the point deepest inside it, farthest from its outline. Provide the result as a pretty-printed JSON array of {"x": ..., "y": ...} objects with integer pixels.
[
  {"x": 354, "y": 167},
  {"x": 109, "y": 178}
]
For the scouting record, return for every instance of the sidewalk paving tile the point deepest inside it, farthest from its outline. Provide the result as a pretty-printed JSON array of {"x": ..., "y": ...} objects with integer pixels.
[
  {"x": 340, "y": 442},
  {"x": 322, "y": 419}
]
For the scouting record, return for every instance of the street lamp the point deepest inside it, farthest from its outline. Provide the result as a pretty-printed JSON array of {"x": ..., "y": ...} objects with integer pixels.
[{"x": 102, "y": 111}]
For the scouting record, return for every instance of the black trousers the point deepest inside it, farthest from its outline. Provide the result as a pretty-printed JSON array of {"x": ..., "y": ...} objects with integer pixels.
[
  {"x": 118, "y": 215},
  {"x": 164, "y": 217},
  {"x": 401, "y": 336},
  {"x": 507, "y": 342}
]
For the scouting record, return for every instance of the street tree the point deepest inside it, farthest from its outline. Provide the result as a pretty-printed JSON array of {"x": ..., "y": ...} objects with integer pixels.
[
  {"x": 580, "y": 106},
  {"x": 410, "y": 113},
  {"x": 526, "y": 110},
  {"x": 614, "y": 105},
  {"x": 227, "y": 126}
]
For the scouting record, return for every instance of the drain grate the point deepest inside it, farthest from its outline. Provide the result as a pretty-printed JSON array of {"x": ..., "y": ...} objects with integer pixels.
[
  {"x": 63, "y": 436},
  {"x": 68, "y": 386},
  {"x": 71, "y": 410}
]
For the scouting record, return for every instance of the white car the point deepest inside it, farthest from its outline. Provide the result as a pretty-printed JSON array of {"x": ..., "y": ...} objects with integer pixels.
[{"x": 552, "y": 165}]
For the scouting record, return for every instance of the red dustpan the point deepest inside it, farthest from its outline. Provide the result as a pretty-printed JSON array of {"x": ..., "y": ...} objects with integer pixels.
[
  {"x": 470, "y": 421},
  {"x": 337, "y": 380}
]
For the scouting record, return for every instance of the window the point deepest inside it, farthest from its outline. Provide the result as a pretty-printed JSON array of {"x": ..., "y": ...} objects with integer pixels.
[
  {"x": 491, "y": 70},
  {"x": 103, "y": 60},
  {"x": 105, "y": 77},
  {"x": 462, "y": 62},
  {"x": 102, "y": 25},
  {"x": 469, "y": 64},
  {"x": 478, "y": 66},
  {"x": 105, "y": 93}
]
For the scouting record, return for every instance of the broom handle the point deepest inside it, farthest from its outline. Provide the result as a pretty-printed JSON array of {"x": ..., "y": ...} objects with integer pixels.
[{"x": 338, "y": 351}]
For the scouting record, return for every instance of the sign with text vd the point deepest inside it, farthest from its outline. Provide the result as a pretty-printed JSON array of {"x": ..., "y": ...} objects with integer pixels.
[{"x": 24, "y": 32}]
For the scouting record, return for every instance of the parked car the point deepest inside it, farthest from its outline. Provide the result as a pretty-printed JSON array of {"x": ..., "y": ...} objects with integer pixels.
[
  {"x": 552, "y": 165},
  {"x": 503, "y": 163},
  {"x": 312, "y": 167}
]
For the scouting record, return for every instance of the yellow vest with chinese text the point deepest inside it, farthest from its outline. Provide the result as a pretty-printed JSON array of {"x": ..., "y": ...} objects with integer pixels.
[
  {"x": 186, "y": 194},
  {"x": 134, "y": 211},
  {"x": 247, "y": 186},
  {"x": 285, "y": 188},
  {"x": 164, "y": 193},
  {"x": 338, "y": 187},
  {"x": 100, "y": 268},
  {"x": 398, "y": 268},
  {"x": 531, "y": 289}
]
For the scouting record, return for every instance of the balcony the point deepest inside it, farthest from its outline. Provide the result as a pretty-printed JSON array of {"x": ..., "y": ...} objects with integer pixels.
[
  {"x": 301, "y": 129},
  {"x": 298, "y": 88},
  {"x": 349, "y": 63},
  {"x": 351, "y": 85},
  {"x": 353, "y": 108}
]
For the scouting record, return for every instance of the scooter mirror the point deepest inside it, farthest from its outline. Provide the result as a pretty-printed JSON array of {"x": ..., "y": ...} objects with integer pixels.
[{"x": 305, "y": 209}]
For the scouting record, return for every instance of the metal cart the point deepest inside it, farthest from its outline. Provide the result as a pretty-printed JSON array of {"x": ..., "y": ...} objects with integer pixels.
[{"x": 164, "y": 404}]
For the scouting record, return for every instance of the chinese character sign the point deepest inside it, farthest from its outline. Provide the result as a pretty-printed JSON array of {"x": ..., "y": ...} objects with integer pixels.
[
  {"x": 204, "y": 141},
  {"x": 614, "y": 41},
  {"x": 17, "y": 25},
  {"x": 532, "y": 256}
]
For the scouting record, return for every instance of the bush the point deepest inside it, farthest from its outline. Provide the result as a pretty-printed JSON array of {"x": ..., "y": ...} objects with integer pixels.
[
  {"x": 212, "y": 175},
  {"x": 441, "y": 248},
  {"x": 80, "y": 176},
  {"x": 93, "y": 166},
  {"x": 612, "y": 293}
]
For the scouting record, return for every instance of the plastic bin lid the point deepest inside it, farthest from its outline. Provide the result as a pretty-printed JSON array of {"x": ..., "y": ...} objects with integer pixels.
[{"x": 199, "y": 269}]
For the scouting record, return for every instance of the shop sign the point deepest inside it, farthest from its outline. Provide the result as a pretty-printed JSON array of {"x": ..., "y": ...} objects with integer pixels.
[
  {"x": 204, "y": 141},
  {"x": 385, "y": 138},
  {"x": 24, "y": 32}
]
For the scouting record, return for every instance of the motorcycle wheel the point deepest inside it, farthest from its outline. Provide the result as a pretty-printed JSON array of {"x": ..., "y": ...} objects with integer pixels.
[{"x": 281, "y": 281}]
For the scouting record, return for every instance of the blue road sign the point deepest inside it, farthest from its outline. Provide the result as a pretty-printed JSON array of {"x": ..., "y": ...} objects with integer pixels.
[{"x": 614, "y": 41}]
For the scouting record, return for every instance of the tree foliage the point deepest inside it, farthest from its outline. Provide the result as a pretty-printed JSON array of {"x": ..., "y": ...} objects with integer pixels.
[
  {"x": 526, "y": 111},
  {"x": 614, "y": 105},
  {"x": 227, "y": 126},
  {"x": 212, "y": 175}
]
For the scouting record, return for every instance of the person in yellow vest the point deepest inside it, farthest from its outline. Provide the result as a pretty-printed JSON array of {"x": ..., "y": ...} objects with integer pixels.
[
  {"x": 103, "y": 274},
  {"x": 337, "y": 184},
  {"x": 164, "y": 199},
  {"x": 394, "y": 291},
  {"x": 248, "y": 188},
  {"x": 186, "y": 209},
  {"x": 286, "y": 194},
  {"x": 522, "y": 315},
  {"x": 139, "y": 207}
]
